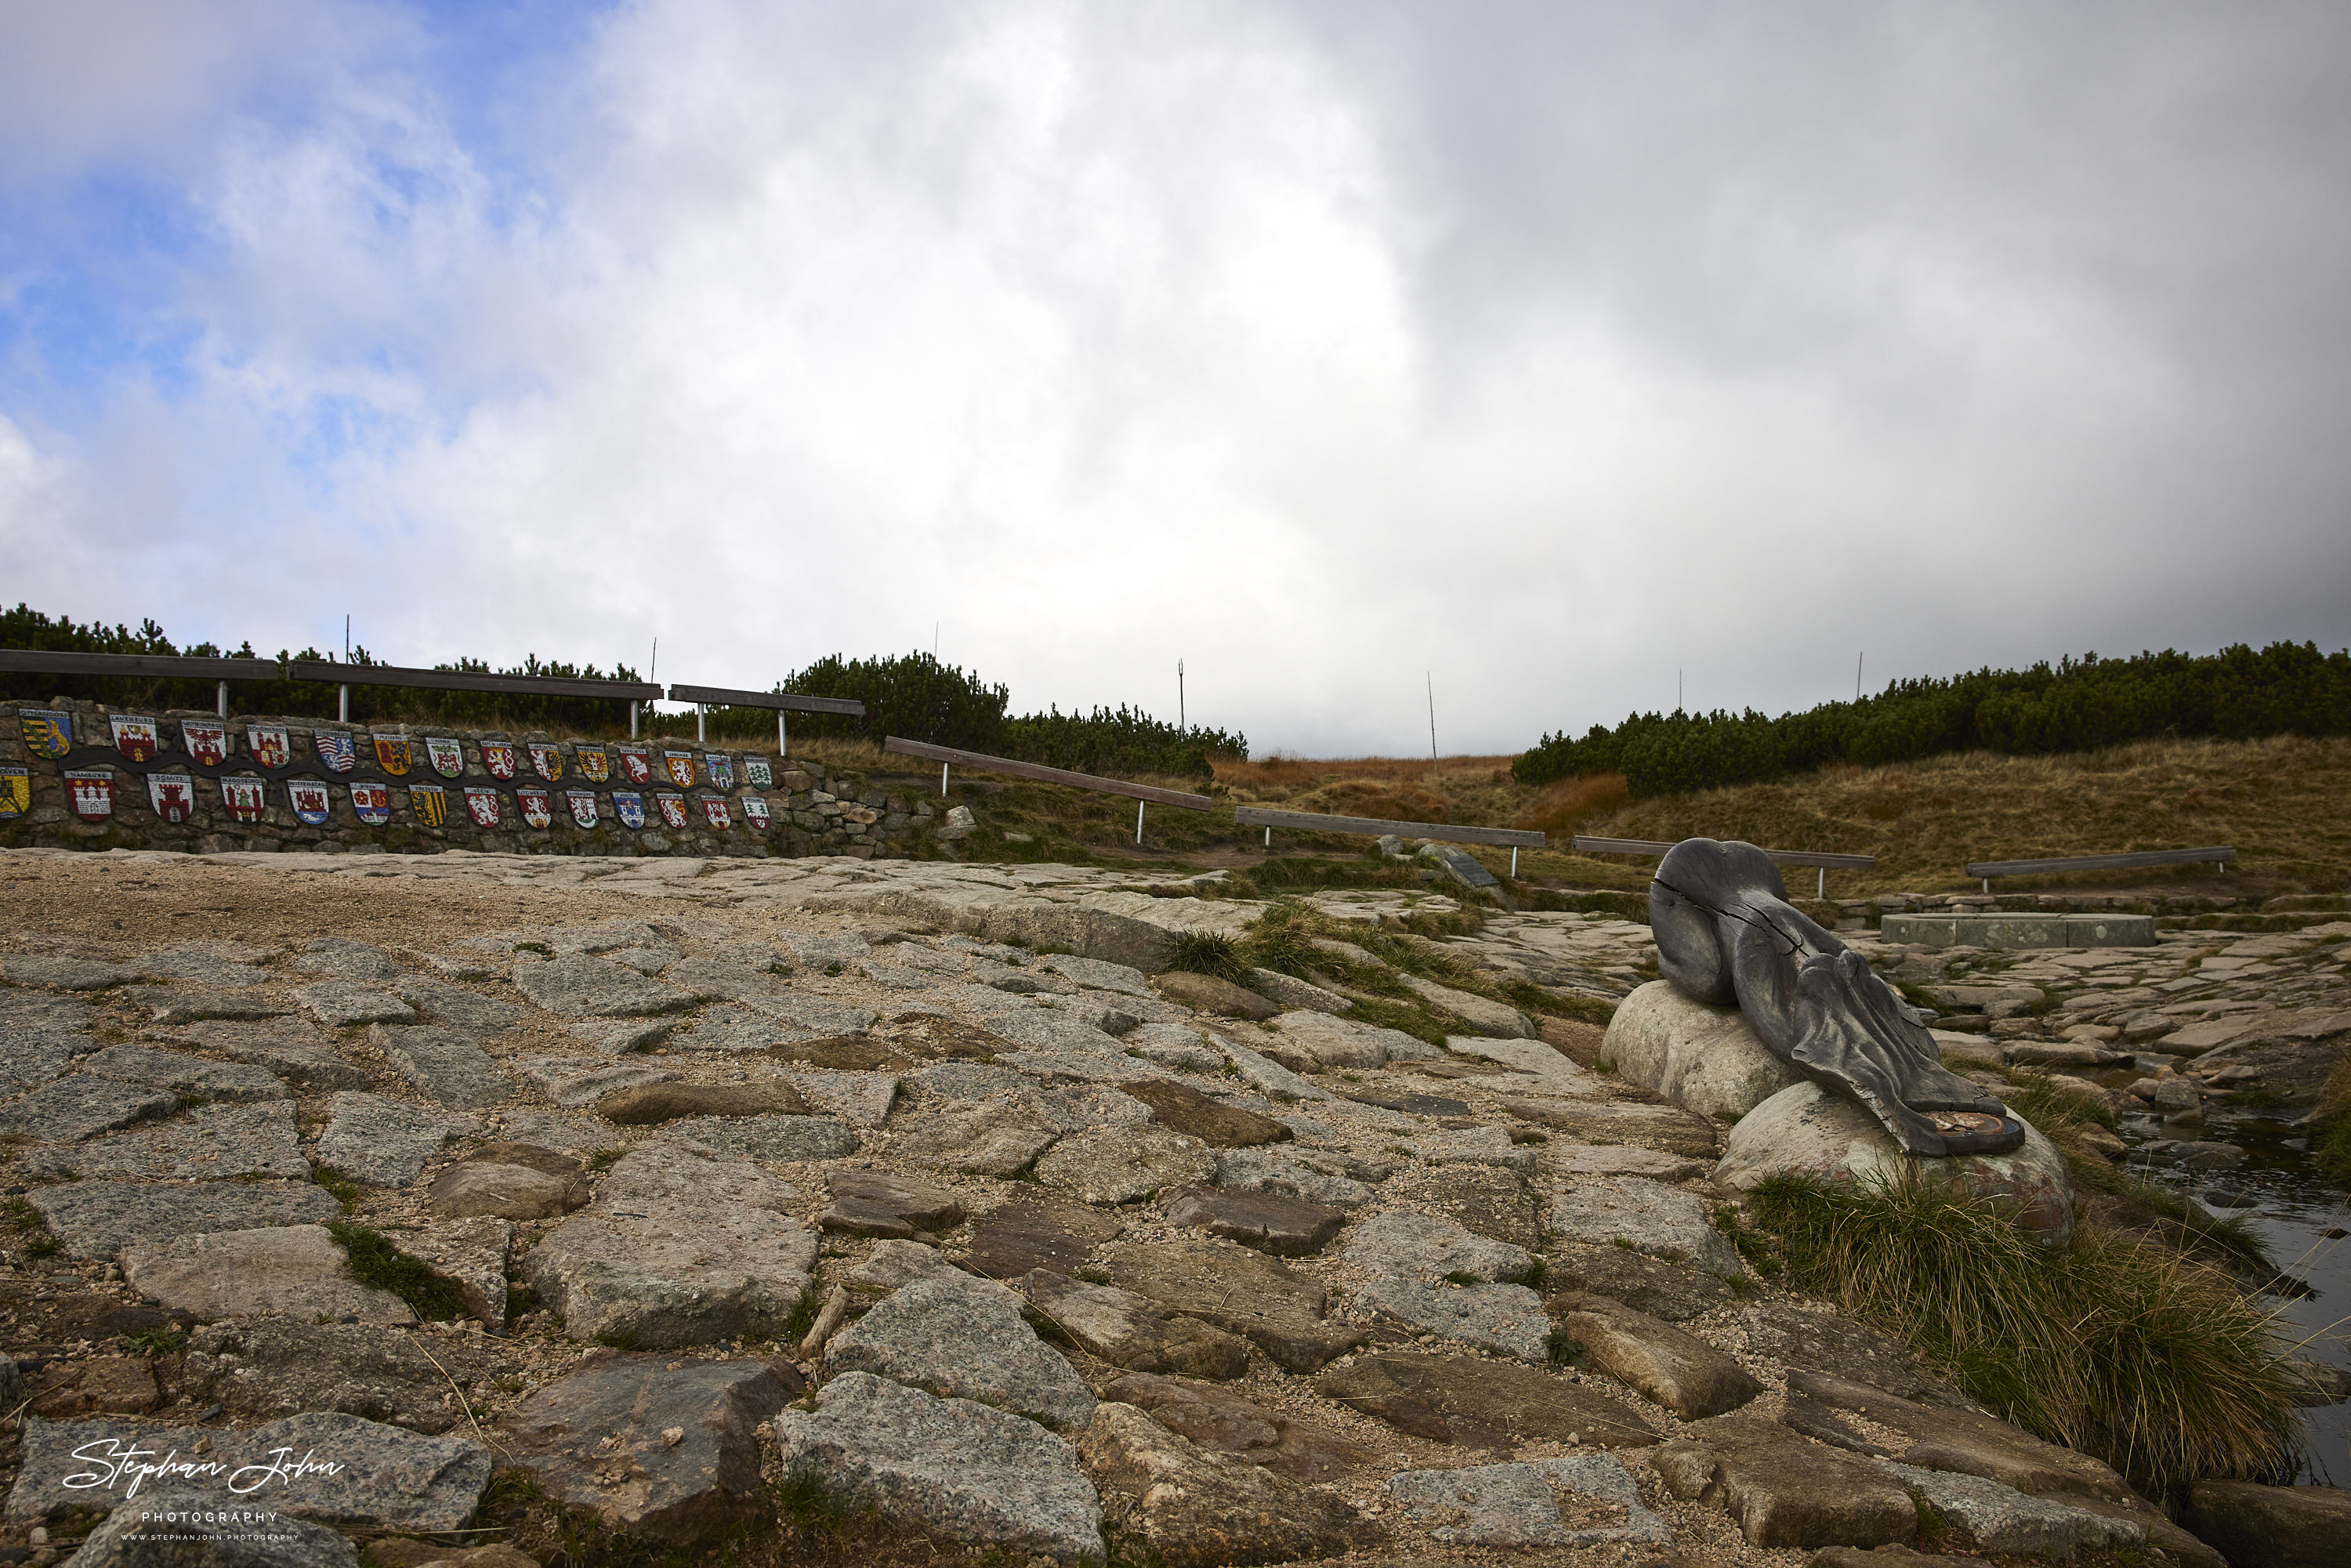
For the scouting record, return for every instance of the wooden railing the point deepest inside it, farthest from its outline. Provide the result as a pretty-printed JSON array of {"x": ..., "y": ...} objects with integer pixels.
[
  {"x": 1140, "y": 794},
  {"x": 1827, "y": 860},
  {"x": 2219, "y": 855}
]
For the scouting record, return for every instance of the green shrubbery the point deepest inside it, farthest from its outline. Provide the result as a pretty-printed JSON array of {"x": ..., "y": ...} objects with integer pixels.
[{"x": 2080, "y": 705}]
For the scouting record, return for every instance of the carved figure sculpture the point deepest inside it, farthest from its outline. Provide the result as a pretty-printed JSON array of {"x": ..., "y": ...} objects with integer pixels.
[{"x": 1726, "y": 932}]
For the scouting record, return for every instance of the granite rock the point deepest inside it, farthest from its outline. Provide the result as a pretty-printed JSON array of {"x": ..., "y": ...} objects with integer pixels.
[
  {"x": 98, "y": 1218},
  {"x": 1518, "y": 1505},
  {"x": 1120, "y": 1165},
  {"x": 1508, "y": 1320},
  {"x": 1128, "y": 1331},
  {"x": 964, "y": 1339},
  {"x": 1285, "y": 1226},
  {"x": 579, "y": 986},
  {"x": 210, "y": 1143},
  {"x": 1217, "y": 1418},
  {"x": 1427, "y": 1246},
  {"x": 82, "y": 1105},
  {"x": 1662, "y": 1221},
  {"x": 444, "y": 1065},
  {"x": 1492, "y": 1404},
  {"x": 339, "y": 1003},
  {"x": 1200, "y": 1508},
  {"x": 1667, "y": 1366},
  {"x": 1183, "y": 1109},
  {"x": 296, "y": 1270},
  {"x": 386, "y": 1143}
]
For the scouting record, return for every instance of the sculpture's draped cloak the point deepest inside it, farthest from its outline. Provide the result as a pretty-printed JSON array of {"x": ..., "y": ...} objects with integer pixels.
[{"x": 1726, "y": 932}]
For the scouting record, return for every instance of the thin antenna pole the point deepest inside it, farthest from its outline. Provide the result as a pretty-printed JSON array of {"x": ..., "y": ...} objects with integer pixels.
[
  {"x": 1856, "y": 674},
  {"x": 1432, "y": 719},
  {"x": 1181, "y": 727},
  {"x": 347, "y": 639},
  {"x": 1678, "y": 689}
]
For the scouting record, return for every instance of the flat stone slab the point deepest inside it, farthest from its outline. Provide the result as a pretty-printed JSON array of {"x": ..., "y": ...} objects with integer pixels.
[
  {"x": 1240, "y": 1291},
  {"x": 1285, "y": 1226},
  {"x": 678, "y": 1248},
  {"x": 295, "y": 1270},
  {"x": 2006, "y": 1521},
  {"x": 1666, "y": 1366},
  {"x": 1482, "y": 1014},
  {"x": 576, "y": 1081},
  {"x": 1491, "y": 1201},
  {"x": 64, "y": 974},
  {"x": 730, "y": 1030},
  {"x": 868, "y": 1202},
  {"x": 1508, "y": 1320},
  {"x": 1195, "y": 1505},
  {"x": 778, "y": 1140},
  {"x": 1183, "y": 1109},
  {"x": 810, "y": 1013},
  {"x": 1037, "y": 1234},
  {"x": 664, "y": 1449},
  {"x": 860, "y": 1098},
  {"x": 345, "y": 959},
  {"x": 1127, "y": 1330},
  {"x": 1520, "y": 1504},
  {"x": 1001, "y": 1137},
  {"x": 1315, "y": 1176},
  {"x": 270, "y": 1367},
  {"x": 1345, "y": 1042},
  {"x": 288, "y": 1048},
  {"x": 174, "y": 1006},
  {"x": 508, "y": 1181},
  {"x": 1120, "y": 1165},
  {"x": 230, "y": 965},
  {"x": 951, "y": 1466},
  {"x": 98, "y": 1218},
  {"x": 35, "y": 1056},
  {"x": 1662, "y": 1221},
  {"x": 964, "y": 1339},
  {"x": 894, "y": 1264},
  {"x": 338, "y": 1003},
  {"x": 1673, "y": 1291},
  {"x": 386, "y": 1479},
  {"x": 211, "y": 1143},
  {"x": 1815, "y": 1342},
  {"x": 460, "y": 1009},
  {"x": 1218, "y": 1418},
  {"x": 1783, "y": 1491},
  {"x": 82, "y": 1105},
  {"x": 383, "y": 1142},
  {"x": 583, "y": 986},
  {"x": 1174, "y": 1046},
  {"x": 1481, "y": 1403},
  {"x": 1429, "y": 1247},
  {"x": 444, "y": 1065},
  {"x": 2020, "y": 930},
  {"x": 1210, "y": 993},
  {"x": 1097, "y": 973},
  {"x": 651, "y": 1104},
  {"x": 1055, "y": 1030},
  {"x": 177, "y": 1070},
  {"x": 470, "y": 1253}
]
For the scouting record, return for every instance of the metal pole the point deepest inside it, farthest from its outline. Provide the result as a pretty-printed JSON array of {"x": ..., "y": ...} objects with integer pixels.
[
  {"x": 1268, "y": 840},
  {"x": 632, "y": 718},
  {"x": 343, "y": 703},
  {"x": 943, "y": 777},
  {"x": 1823, "y": 891},
  {"x": 1514, "y": 862},
  {"x": 701, "y": 712},
  {"x": 780, "y": 735},
  {"x": 223, "y": 699},
  {"x": 1138, "y": 822}
]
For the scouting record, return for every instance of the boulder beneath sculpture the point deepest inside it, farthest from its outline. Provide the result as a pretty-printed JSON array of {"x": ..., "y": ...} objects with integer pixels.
[
  {"x": 1702, "y": 1058},
  {"x": 1807, "y": 1130}
]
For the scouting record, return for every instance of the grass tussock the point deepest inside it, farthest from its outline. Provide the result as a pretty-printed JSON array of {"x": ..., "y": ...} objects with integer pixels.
[
  {"x": 2133, "y": 1353},
  {"x": 372, "y": 1260}
]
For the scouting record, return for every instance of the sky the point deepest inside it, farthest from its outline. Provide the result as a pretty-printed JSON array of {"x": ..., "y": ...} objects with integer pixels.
[{"x": 1552, "y": 359}]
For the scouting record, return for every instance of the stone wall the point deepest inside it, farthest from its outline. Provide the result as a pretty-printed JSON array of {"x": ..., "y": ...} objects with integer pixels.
[{"x": 382, "y": 798}]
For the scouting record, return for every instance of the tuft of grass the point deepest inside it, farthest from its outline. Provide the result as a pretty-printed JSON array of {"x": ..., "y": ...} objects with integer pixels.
[
  {"x": 1462, "y": 1276},
  {"x": 169, "y": 1340},
  {"x": 1562, "y": 1349},
  {"x": 605, "y": 1159},
  {"x": 1282, "y": 940},
  {"x": 2134, "y": 1354},
  {"x": 1207, "y": 953},
  {"x": 803, "y": 1317},
  {"x": 374, "y": 1261},
  {"x": 344, "y": 1190}
]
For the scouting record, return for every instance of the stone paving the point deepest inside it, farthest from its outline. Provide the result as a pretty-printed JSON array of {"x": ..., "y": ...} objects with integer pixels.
[{"x": 941, "y": 1152}]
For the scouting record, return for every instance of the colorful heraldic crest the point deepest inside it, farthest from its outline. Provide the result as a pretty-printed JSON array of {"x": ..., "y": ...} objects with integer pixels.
[
  {"x": 392, "y": 754},
  {"x": 16, "y": 792},
  {"x": 48, "y": 732},
  {"x": 429, "y": 803},
  {"x": 756, "y": 773},
  {"x": 312, "y": 805},
  {"x": 482, "y": 805},
  {"x": 537, "y": 808},
  {"x": 206, "y": 740},
  {"x": 371, "y": 804},
  {"x": 715, "y": 808},
  {"x": 721, "y": 769},
  {"x": 134, "y": 737},
  {"x": 269, "y": 744},
  {"x": 247, "y": 795},
  {"x": 584, "y": 806},
  {"x": 680, "y": 766},
  {"x": 498, "y": 756},
  {"x": 547, "y": 760},
  {"x": 636, "y": 764},
  {"x": 447, "y": 757},
  {"x": 672, "y": 809},
  {"x": 754, "y": 811},
  {"x": 336, "y": 750},
  {"x": 90, "y": 794},
  {"x": 173, "y": 796},
  {"x": 594, "y": 765},
  {"x": 630, "y": 806}
]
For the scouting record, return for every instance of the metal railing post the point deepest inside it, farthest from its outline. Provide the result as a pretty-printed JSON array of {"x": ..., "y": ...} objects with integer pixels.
[
  {"x": 632, "y": 718},
  {"x": 701, "y": 715},
  {"x": 781, "y": 747},
  {"x": 1514, "y": 862},
  {"x": 343, "y": 703},
  {"x": 943, "y": 777},
  {"x": 1822, "y": 890},
  {"x": 1268, "y": 840},
  {"x": 1138, "y": 822},
  {"x": 223, "y": 699}
]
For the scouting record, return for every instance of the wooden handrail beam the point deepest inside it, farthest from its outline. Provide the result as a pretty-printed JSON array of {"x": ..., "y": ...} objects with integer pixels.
[
  {"x": 2217, "y": 854},
  {"x": 723, "y": 696},
  {"x": 1315, "y": 822},
  {"x": 1823, "y": 859},
  {"x": 334, "y": 674},
  {"x": 169, "y": 666},
  {"x": 1044, "y": 775}
]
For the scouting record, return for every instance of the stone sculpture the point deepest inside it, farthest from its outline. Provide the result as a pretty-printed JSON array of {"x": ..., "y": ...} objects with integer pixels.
[{"x": 1726, "y": 934}]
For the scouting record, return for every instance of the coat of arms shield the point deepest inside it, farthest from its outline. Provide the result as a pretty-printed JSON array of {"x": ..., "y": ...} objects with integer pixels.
[
  {"x": 720, "y": 769},
  {"x": 757, "y": 774},
  {"x": 91, "y": 794},
  {"x": 247, "y": 795},
  {"x": 630, "y": 806},
  {"x": 547, "y": 760},
  {"x": 537, "y": 810},
  {"x": 672, "y": 809},
  {"x": 447, "y": 757},
  {"x": 715, "y": 808},
  {"x": 337, "y": 752},
  {"x": 392, "y": 755},
  {"x": 584, "y": 806},
  {"x": 48, "y": 732},
  {"x": 679, "y": 765},
  {"x": 429, "y": 803},
  {"x": 636, "y": 763},
  {"x": 206, "y": 740},
  {"x": 482, "y": 805},
  {"x": 754, "y": 811},
  {"x": 371, "y": 804},
  {"x": 594, "y": 765},
  {"x": 312, "y": 805},
  {"x": 498, "y": 756},
  {"x": 269, "y": 744},
  {"x": 173, "y": 796},
  {"x": 16, "y": 792},
  {"x": 135, "y": 736}
]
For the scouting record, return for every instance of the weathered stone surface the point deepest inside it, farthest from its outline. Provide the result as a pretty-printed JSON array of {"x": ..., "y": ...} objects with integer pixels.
[
  {"x": 1062, "y": 1030},
  {"x": 211, "y": 1143},
  {"x": 2002, "y": 1520},
  {"x": 2271, "y": 1527},
  {"x": 344, "y": 959},
  {"x": 1622, "y": 1159},
  {"x": 1508, "y": 1320},
  {"x": 80, "y": 1105},
  {"x": 1262, "y": 1072},
  {"x": 1673, "y": 1291},
  {"x": 1481, "y": 1403},
  {"x": 869, "y": 1202},
  {"x": 1943, "y": 1439},
  {"x": 619, "y": 1036},
  {"x": 860, "y": 1099},
  {"x": 444, "y": 1065},
  {"x": 1299, "y": 996},
  {"x": 296, "y": 1270},
  {"x": 1781, "y": 1490},
  {"x": 950, "y": 1466},
  {"x": 576, "y": 1081},
  {"x": 1489, "y": 1200},
  {"x": 677, "y": 1250},
  {"x": 291, "y": 1048},
  {"x": 1891, "y": 1556},
  {"x": 964, "y": 1339},
  {"x": 471, "y": 1253},
  {"x": 1677, "y": 1370},
  {"x": 479, "y": 1188},
  {"x": 64, "y": 974},
  {"x": 35, "y": 1056},
  {"x": 1285, "y": 1226},
  {"x": 1346, "y": 1043},
  {"x": 338, "y": 1003},
  {"x": 1482, "y": 1014},
  {"x": 1666, "y": 1127},
  {"x": 1097, "y": 973},
  {"x": 263, "y": 1368},
  {"x": 583, "y": 986},
  {"x": 780, "y": 1140},
  {"x": 1472, "y": 1147},
  {"x": 1662, "y": 1221},
  {"x": 97, "y": 1218},
  {"x": 1174, "y": 1046},
  {"x": 1807, "y": 1131},
  {"x": 1515, "y": 1505},
  {"x": 737, "y": 1029},
  {"x": 1704, "y": 1059},
  {"x": 1126, "y": 1330},
  {"x": 1425, "y": 1247},
  {"x": 650, "y": 1105},
  {"x": 460, "y": 1009},
  {"x": 893, "y": 1264},
  {"x": 995, "y": 1138},
  {"x": 386, "y": 1143},
  {"x": 1316, "y": 1176},
  {"x": 1207, "y": 994},
  {"x": 659, "y": 1449},
  {"x": 1120, "y": 1165},
  {"x": 171, "y": 1004},
  {"x": 1183, "y": 1109},
  {"x": 387, "y": 1478},
  {"x": 175, "y": 1070},
  {"x": 135, "y": 1538},
  {"x": 102, "y": 1384},
  {"x": 1198, "y": 1509},
  {"x": 1218, "y": 1418},
  {"x": 1817, "y": 1342},
  {"x": 818, "y": 1017},
  {"x": 1240, "y": 1291},
  {"x": 1038, "y": 1233}
]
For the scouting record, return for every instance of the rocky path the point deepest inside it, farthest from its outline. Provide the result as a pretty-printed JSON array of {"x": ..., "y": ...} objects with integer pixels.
[{"x": 683, "y": 1187}]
